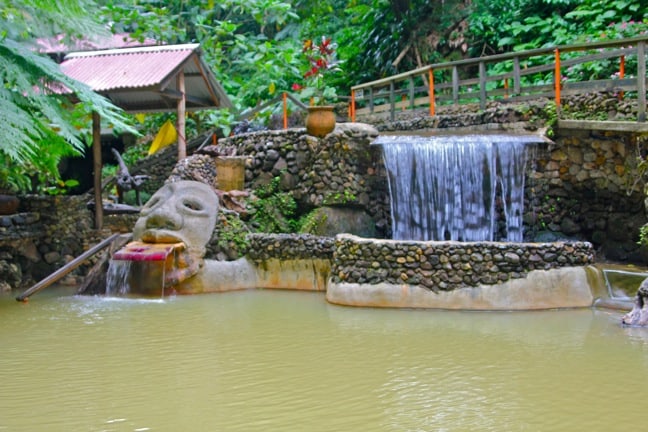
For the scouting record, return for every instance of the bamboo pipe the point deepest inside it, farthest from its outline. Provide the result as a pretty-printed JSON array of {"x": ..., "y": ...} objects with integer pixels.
[{"x": 67, "y": 268}]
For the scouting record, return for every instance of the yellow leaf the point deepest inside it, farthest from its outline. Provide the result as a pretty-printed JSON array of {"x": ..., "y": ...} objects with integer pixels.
[
  {"x": 272, "y": 88},
  {"x": 140, "y": 117}
]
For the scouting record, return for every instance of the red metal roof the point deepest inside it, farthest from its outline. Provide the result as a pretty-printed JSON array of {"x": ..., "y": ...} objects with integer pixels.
[{"x": 144, "y": 78}]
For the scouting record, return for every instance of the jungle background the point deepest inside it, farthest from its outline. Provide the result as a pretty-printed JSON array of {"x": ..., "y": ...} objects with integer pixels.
[{"x": 255, "y": 49}]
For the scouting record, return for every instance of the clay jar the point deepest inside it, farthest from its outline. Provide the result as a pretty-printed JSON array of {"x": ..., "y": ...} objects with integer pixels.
[{"x": 320, "y": 120}]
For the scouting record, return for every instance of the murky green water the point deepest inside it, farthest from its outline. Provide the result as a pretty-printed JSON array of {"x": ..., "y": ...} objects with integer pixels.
[{"x": 288, "y": 361}]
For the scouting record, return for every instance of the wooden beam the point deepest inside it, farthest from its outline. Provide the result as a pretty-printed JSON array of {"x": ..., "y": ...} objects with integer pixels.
[
  {"x": 97, "y": 165},
  {"x": 177, "y": 95},
  {"x": 182, "y": 105}
]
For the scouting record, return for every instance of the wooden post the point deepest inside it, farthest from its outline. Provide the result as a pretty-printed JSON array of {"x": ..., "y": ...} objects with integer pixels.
[
  {"x": 455, "y": 85},
  {"x": 641, "y": 81},
  {"x": 182, "y": 105},
  {"x": 285, "y": 110},
  {"x": 621, "y": 73},
  {"x": 96, "y": 166},
  {"x": 557, "y": 79},
  {"x": 412, "y": 94},
  {"x": 392, "y": 101},
  {"x": 516, "y": 76},
  {"x": 431, "y": 92},
  {"x": 482, "y": 85}
]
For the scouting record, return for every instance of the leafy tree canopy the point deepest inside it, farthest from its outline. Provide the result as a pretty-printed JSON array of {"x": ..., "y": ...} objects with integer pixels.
[{"x": 41, "y": 123}]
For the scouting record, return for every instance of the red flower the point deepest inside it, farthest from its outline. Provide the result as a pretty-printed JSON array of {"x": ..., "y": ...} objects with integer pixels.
[
  {"x": 320, "y": 59},
  {"x": 311, "y": 72}
]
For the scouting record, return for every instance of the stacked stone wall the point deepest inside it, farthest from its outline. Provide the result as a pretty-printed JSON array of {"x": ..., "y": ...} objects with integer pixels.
[
  {"x": 449, "y": 265},
  {"x": 581, "y": 187}
]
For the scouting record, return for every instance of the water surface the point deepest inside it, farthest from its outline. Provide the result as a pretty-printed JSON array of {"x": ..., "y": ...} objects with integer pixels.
[{"x": 288, "y": 361}]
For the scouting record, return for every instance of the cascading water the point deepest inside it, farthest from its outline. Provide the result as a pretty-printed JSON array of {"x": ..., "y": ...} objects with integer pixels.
[
  {"x": 142, "y": 268},
  {"x": 457, "y": 187},
  {"x": 117, "y": 278}
]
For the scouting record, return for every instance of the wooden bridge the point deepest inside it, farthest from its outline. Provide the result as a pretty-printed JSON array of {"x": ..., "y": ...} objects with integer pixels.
[{"x": 511, "y": 77}]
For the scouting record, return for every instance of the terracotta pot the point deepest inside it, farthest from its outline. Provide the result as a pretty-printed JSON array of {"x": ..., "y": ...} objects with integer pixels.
[
  {"x": 8, "y": 204},
  {"x": 320, "y": 120}
]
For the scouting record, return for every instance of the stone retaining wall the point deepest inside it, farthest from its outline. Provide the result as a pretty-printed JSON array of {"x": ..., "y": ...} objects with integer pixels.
[
  {"x": 264, "y": 247},
  {"x": 341, "y": 169},
  {"x": 447, "y": 266}
]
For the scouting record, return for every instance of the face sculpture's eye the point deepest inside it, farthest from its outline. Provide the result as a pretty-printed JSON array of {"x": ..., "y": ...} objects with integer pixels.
[{"x": 192, "y": 205}]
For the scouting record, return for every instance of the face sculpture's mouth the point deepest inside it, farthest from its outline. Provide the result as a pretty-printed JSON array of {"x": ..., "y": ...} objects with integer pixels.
[{"x": 161, "y": 236}]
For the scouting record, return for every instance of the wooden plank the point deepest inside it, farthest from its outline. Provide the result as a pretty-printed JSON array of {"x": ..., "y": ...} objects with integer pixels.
[
  {"x": 97, "y": 165},
  {"x": 57, "y": 275}
]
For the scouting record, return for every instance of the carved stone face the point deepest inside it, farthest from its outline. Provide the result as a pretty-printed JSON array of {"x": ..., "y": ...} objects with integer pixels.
[{"x": 184, "y": 211}]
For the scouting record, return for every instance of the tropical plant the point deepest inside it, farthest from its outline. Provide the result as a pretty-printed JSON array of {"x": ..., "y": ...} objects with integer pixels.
[
  {"x": 46, "y": 114},
  {"x": 320, "y": 61},
  {"x": 273, "y": 210}
]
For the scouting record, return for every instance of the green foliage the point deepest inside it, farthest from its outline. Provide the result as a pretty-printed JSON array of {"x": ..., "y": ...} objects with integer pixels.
[
  {"x": 505, "y": 25},
  {"x": 312, "y": 222},
  {"x": 344, "y": 197},
  {"x": 273, "y": 210},
  {"x": 232, "y": 234},
  {"x": 41, "y": 123},
  {"x": 643, "y": 235},
  {"x": 246, "y": 42}
]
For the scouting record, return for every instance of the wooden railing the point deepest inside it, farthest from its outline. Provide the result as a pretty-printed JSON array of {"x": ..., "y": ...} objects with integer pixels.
[{"x": 514, "y": 77}]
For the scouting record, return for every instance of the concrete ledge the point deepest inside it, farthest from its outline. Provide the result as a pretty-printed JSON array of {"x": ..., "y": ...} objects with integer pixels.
[
  {"x": 608, "y": 125},
  {"x": 542, "y": 289}
]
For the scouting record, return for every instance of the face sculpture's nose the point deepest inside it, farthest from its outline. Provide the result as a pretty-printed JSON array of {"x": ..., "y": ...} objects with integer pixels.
[{"x": 164, "y": 216}]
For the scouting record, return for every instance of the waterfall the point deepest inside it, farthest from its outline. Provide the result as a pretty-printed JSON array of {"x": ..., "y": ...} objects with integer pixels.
[
  {"x": 117, "y": 278},
  {"x": 457, "y": 187}
]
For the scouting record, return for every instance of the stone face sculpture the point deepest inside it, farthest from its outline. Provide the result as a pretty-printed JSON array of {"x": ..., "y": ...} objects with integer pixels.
[
  {"x": 638, "y": 316},
  {"x": 181, "y": 215}
]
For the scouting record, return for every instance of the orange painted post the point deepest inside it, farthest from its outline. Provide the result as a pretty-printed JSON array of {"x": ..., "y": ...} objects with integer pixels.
[
  {"x": 506, "y": 88},
  {"x": 403, "y": 100},
  {"x": 285, "y": 110},
  {"x": 621, "y": 73},
  {"x": 353, "y": 114},
  {"x": 557, "y": 78},
  {"x": 431, "y": 92}
]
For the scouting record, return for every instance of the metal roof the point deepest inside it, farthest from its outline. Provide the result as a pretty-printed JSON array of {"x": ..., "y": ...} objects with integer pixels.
[
  {"x": 59, "y": 45},
  {"x": 144, "y": 79}
]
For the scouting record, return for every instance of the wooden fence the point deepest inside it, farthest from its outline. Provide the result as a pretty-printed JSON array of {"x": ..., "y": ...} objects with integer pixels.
[{"x": 515, "y": 77}]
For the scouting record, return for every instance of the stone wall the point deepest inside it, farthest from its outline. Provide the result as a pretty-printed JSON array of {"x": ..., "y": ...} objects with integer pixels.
[
  {"x": 341, "y": 169},
  {"x": 581, "y": 188},
  {"x": 449, "y": 265},
  {"x": 443, "y": 266},
  {"x": 47, "y": 234}
]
